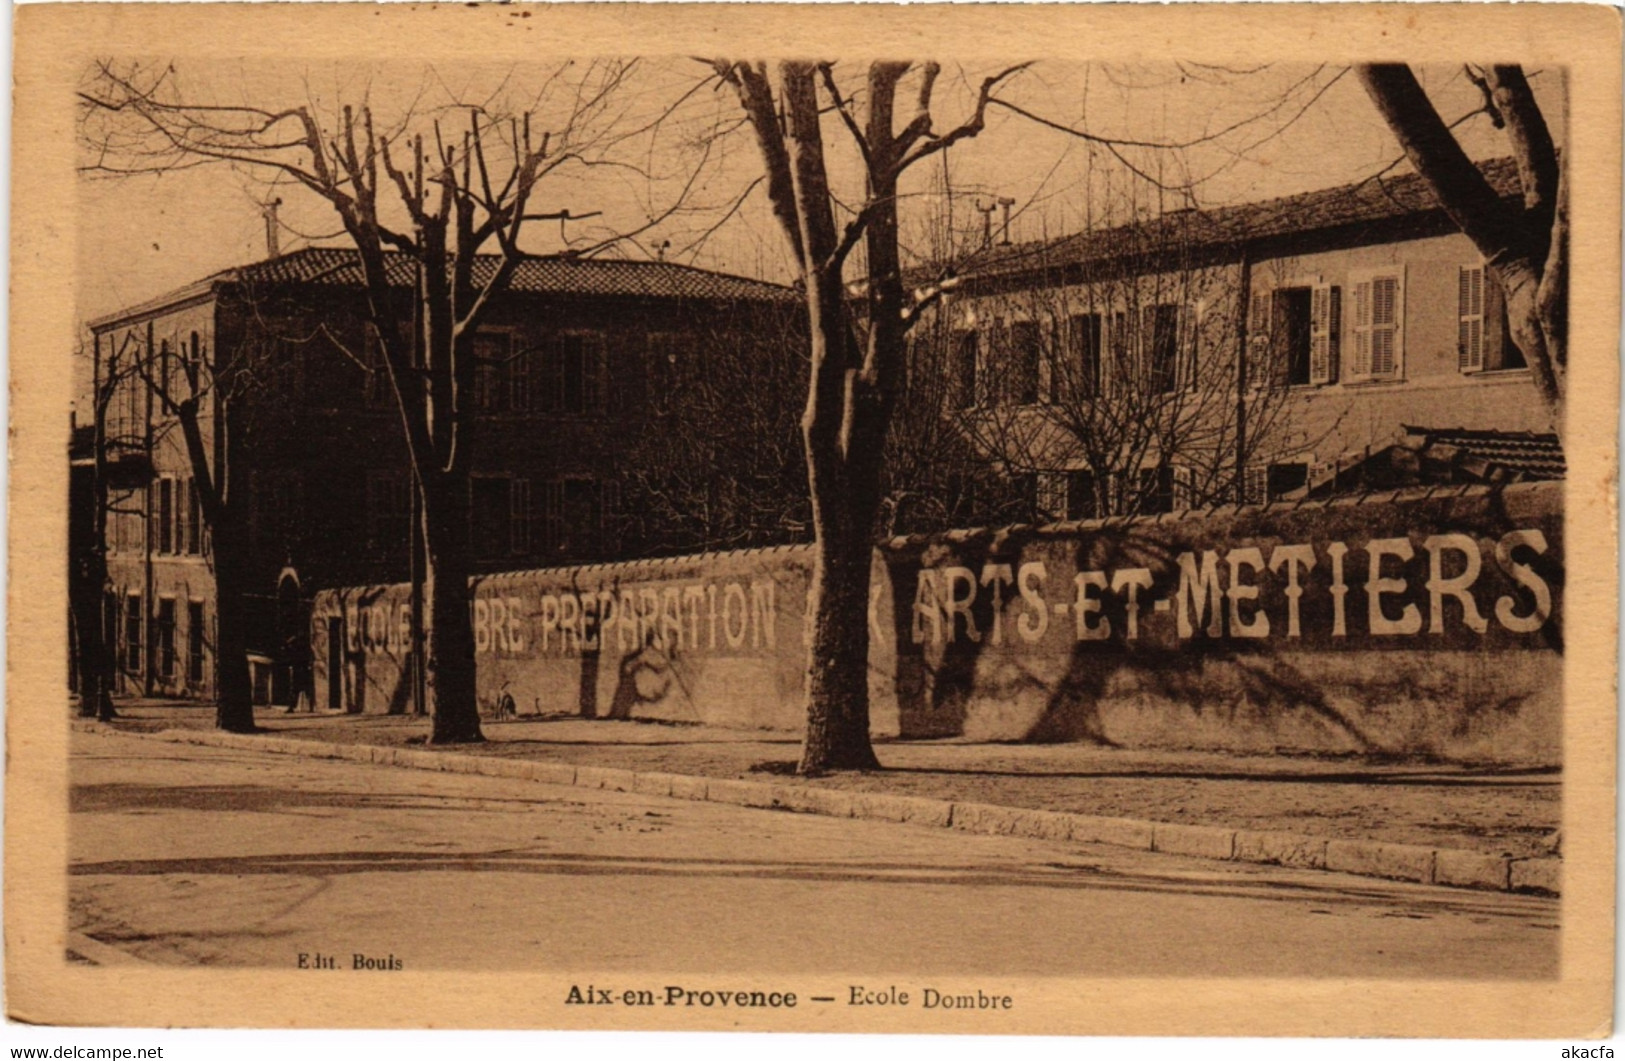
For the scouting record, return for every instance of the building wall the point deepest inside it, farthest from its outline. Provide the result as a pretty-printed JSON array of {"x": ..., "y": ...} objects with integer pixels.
[
  {"x": 1344, "y": 418},
  {"x": 1331, "y": 628},
  {"x": 316, "y": 460},
  {"x": 139, "y": 564},
  {"x": 1312, "y": 424}
]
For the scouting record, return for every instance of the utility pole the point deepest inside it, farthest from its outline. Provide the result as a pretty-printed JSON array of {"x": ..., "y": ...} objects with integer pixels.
[
  {"x": 987, "y": 222},
  {"x": 1243, "y": 315}
]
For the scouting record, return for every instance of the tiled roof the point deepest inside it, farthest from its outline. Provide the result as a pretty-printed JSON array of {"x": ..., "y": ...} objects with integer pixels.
[
  {"x": 1367, "y": 202},
  {"x": 339, "y": 267},
  {"x": 1430, "y": 456},
  {"x": 1523, "y": 454},
  {"x": 552, "y": 275}
]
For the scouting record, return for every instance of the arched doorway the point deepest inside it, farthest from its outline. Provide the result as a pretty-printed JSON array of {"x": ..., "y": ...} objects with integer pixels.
[{"x": 291, "y": 675}]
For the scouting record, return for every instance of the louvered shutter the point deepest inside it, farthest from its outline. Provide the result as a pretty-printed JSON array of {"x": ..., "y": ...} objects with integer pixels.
[
  {"x": 1324, "y": 307},
  {"x": 1470, "y": 319},
  {"x": 1260, "y": 323},
  {"x": 1362, "y": 329},
  {"x": 1384, "y": 326}
]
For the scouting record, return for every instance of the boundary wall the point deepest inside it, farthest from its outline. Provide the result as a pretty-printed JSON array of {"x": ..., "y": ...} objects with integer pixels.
[{"x": 1423, "y": 623}]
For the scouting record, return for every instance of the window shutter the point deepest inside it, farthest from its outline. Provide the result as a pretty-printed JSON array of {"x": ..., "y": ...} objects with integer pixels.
[
  {"x": 1322, "y": 334},
  {"x": 1259, "y": 327},
  {"x": 1470, "y": 319},
  {"x": 1362, "y": 329},
  {"x": 1385, "y": 326}
]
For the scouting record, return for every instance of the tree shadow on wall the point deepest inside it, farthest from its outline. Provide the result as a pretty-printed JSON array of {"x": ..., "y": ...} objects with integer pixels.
[
  {"x": 1220, "y": 676},
  {"x": 933, "y": 698}
]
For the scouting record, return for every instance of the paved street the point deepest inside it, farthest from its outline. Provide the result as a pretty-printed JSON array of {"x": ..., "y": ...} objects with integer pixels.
[{"x": 187, "y": 854}]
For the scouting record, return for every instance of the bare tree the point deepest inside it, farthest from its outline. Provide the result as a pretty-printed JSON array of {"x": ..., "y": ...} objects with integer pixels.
[
  {"x": 421, "y": 199},
  {"x": 102, "y": 481},
  {"x": 1129, "y": 376},
  {"x": 720, "y": 394},
  {"x": 856, "y": 345},
  {"x": 1525, "y": 244}
]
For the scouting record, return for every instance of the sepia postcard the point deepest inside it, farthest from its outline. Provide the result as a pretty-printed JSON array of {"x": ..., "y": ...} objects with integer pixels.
[{"x": 993, "y": 519}]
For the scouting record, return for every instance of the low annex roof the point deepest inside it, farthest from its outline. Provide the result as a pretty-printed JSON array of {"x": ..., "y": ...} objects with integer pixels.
[{"x": 340, "y": 267}]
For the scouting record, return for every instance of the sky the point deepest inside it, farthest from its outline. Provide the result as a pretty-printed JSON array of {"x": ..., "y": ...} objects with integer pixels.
[{"x": 666, "y": 136}]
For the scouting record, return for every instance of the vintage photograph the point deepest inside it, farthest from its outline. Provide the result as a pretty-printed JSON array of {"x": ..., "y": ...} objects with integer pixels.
[{"x": 1113, "y": 510}]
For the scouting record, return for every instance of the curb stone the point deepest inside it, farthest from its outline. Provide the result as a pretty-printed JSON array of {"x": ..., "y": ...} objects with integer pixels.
[
  {"x": 1537, "y": 875},
  {"x": 1450, "y": 867}
]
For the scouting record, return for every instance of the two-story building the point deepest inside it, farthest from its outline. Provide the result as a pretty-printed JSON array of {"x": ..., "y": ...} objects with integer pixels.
[
  {"x": 577, "y": 363},
  {"x": 1102, "y": 367}
]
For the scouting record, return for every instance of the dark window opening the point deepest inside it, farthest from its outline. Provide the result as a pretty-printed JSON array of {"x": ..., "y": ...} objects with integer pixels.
[
  {"x": 1081, "y": 376},
  {"x": 164, "y": 637},
  {"x": 1162, "y": 350},
  {"x": 1024, "y": 352},
  {"x": 194, "y": 643},
  {"x": 1293, "y": 307},
  {"x": 1156, "y": 490},
  {"x": 132, "y": 633},
  {"x": 1081, "y": 502},
  {"x": 1285, "y": 478}
]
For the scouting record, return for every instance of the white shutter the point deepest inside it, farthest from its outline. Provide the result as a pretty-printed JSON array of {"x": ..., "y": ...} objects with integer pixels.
[
  {"x": 1324, "y": 311},
  {"x": 1470, "y": 319},
  {"x": 1362, "y": 329}
]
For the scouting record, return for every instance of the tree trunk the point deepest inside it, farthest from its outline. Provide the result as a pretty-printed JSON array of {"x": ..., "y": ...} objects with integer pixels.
[
  {"x": 234, "y": 692},
  {"x": 837, "y": 735},
  {"x": 838, "y": 657},
  {"x": 1524, "y": 247},
  {"x": 450, "y": 637},
  {"x": 95, "y": 662}
]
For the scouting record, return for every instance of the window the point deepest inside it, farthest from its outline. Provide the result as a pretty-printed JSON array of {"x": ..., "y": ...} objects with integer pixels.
[
  {"x": 1155, "y": 490},
  {"x": 1161, "y": 354},
  {"x": 194, "y": 644},
  {"x": 1483, "y": 342},
  {"x": 1080, "y": 377},
  {"x": 574, "y": 379},
  {"x": 1081, "y": 500},
  {"x": 965, "y": 349},
  {"x": 577, "y": 517},
  {"x": 164, "y": 640},
  {"x": 553, "y": 537},
  {"x": 519, "y": 515},
  {"x": 1286, "y": 477},
  {"x": 163, "y": 514},
  {"x": 1294, "y": 335},
  {"x": 493, "y": 391},
  {"x": 389, "y": 508},
  {"x": 132, "y": 633},
  {"x": 1379, "y": 334},
  {"x": 1022, "y": 354},
  {"x": 1121, "y": 343},
  {"x": 1051, "y": 495},
  {"x": 1255, "y": 484}
]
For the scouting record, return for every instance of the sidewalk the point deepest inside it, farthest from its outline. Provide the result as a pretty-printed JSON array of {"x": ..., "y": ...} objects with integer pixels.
[{"x": 1506, "y": 811}]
